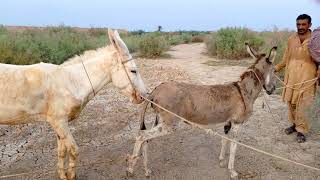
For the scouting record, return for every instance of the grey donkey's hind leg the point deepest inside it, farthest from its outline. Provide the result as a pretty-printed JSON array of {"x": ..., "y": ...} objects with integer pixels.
[
  {"x": 145, "y": 150},
  {"x": 145, "y": 135},
  {"x": 145, "y": 158},
  {"x": 233, "y": 148}
]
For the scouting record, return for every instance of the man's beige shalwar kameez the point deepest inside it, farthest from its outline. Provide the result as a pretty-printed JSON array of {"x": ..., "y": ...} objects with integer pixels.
[{"x": 299, "y": 67}]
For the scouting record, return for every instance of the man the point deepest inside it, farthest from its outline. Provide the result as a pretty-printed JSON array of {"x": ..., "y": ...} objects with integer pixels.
[{"x": 299, "y": 67}]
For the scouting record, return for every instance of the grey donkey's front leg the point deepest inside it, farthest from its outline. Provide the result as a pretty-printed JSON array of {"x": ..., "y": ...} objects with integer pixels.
[
  {"x": 224, "y": 144},
  {"x": 222, "y": 161},
  {"x": 141, "y": 141}
]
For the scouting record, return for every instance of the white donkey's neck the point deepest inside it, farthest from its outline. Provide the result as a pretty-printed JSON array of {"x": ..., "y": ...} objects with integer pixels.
[{"x": 91, "y": 76}]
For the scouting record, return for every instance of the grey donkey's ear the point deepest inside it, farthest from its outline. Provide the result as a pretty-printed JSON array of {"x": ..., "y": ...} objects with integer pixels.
[
  {"x": 251, "y": 51},
  {"x": 272, "y": 54}
]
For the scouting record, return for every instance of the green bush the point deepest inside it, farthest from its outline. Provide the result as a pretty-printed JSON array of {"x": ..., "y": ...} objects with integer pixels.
[
  {"x": 174, "y": 39},
  {"x": 51, "y": 45},
  {"x": 132, "y": 42},
  {"x": 97, "y": 32},
  {"x": 229, "y": 43},
  {"x": 198, "y": 38},
  {"x": 2, "y": 29},
  {"x": 211, "y": 44},
  {"x": 137, "y": 32},
  {"x": 276, "y": 38},
  {"x": 152, "y": 45},
  {"x": 186, "y": 37}
]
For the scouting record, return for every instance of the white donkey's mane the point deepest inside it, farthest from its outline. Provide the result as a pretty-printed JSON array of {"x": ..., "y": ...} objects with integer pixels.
[{"x": 105, "y": 51}]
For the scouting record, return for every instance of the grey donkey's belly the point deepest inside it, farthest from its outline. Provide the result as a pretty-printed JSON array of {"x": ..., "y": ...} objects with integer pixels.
[{"x": 208, "y": 118}]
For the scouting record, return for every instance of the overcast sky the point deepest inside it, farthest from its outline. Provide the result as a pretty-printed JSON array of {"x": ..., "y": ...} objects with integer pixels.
[{"x": 170, "y": 14}]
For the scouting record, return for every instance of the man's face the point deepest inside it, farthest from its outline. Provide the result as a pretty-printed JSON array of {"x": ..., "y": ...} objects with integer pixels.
[{"x": 303, "y": 26}]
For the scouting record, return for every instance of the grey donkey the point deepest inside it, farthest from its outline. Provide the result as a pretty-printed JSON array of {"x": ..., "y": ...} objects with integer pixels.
[{"x": 207, "y": 105}]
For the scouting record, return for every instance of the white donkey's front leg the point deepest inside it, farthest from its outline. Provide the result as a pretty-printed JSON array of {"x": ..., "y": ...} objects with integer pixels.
[
  {"x": 233, "y": 148},
  {"x": 66, "y": 146}
]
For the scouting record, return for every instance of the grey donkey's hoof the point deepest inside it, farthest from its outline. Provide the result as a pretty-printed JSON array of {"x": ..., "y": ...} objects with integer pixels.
[
  {"x": 148, "y": 173},
  {"x": 223, "y": 163},
  {"x": 129, "y": 172},
  {"x": 234, "y": 175}
]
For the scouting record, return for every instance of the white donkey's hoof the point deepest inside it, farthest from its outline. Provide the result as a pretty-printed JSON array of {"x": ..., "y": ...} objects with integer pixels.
[
  {"x": 62, "y": 175},
  {"x": 148, "y": 173},
  {"x": 223, "y": 163}
]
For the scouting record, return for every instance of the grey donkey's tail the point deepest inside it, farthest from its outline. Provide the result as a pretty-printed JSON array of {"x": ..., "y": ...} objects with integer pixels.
[
  {"x": 144, "y": 109},
  {"x": 143, "y": 112},
  {"x": 142, "y": 115}
]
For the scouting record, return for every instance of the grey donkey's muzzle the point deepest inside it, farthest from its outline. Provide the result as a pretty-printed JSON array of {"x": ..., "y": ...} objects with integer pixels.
[{"x": 269, "y": 92}]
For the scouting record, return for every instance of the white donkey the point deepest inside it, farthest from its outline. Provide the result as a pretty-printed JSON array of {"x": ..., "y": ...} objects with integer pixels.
[{"x": 57, "y": 94}]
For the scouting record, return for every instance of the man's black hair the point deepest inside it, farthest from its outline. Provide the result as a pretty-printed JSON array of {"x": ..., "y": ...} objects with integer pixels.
[{"x": 304, "y": 16}]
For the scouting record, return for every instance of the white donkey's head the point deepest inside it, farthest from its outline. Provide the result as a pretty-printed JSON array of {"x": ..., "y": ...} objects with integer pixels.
[{"x": 125, "y": 74}]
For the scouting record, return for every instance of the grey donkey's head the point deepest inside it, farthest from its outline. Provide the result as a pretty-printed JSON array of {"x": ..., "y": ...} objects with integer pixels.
[{"x": 265, "y": 67}]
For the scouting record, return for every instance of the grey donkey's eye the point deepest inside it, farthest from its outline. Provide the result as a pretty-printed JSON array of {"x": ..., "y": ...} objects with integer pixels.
[{"x": 134, "y": 71}]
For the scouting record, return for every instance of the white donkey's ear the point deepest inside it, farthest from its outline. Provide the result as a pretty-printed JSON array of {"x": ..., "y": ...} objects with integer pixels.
[
  {"x": 272, "y": 54},
  {"x": 251, "y": 51},
  {"x": 111, "y": 37},
  {"x": 118, "y": 43}
]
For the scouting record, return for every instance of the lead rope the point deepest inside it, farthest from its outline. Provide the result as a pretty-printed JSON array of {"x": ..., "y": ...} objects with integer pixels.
[
  {"x": 264, "y": 96},
  {"x": 123, "y": 62},
  {"x": 292, "y": 86},
  {"x": 84, "y": 67}
]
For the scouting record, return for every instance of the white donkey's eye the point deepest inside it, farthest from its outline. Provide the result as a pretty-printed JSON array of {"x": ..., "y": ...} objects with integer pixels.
[{"x": 133, "y": 71}]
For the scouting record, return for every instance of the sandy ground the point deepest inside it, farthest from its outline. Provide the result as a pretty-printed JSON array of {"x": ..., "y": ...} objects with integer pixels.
[{"x": 106, "y": 128}]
